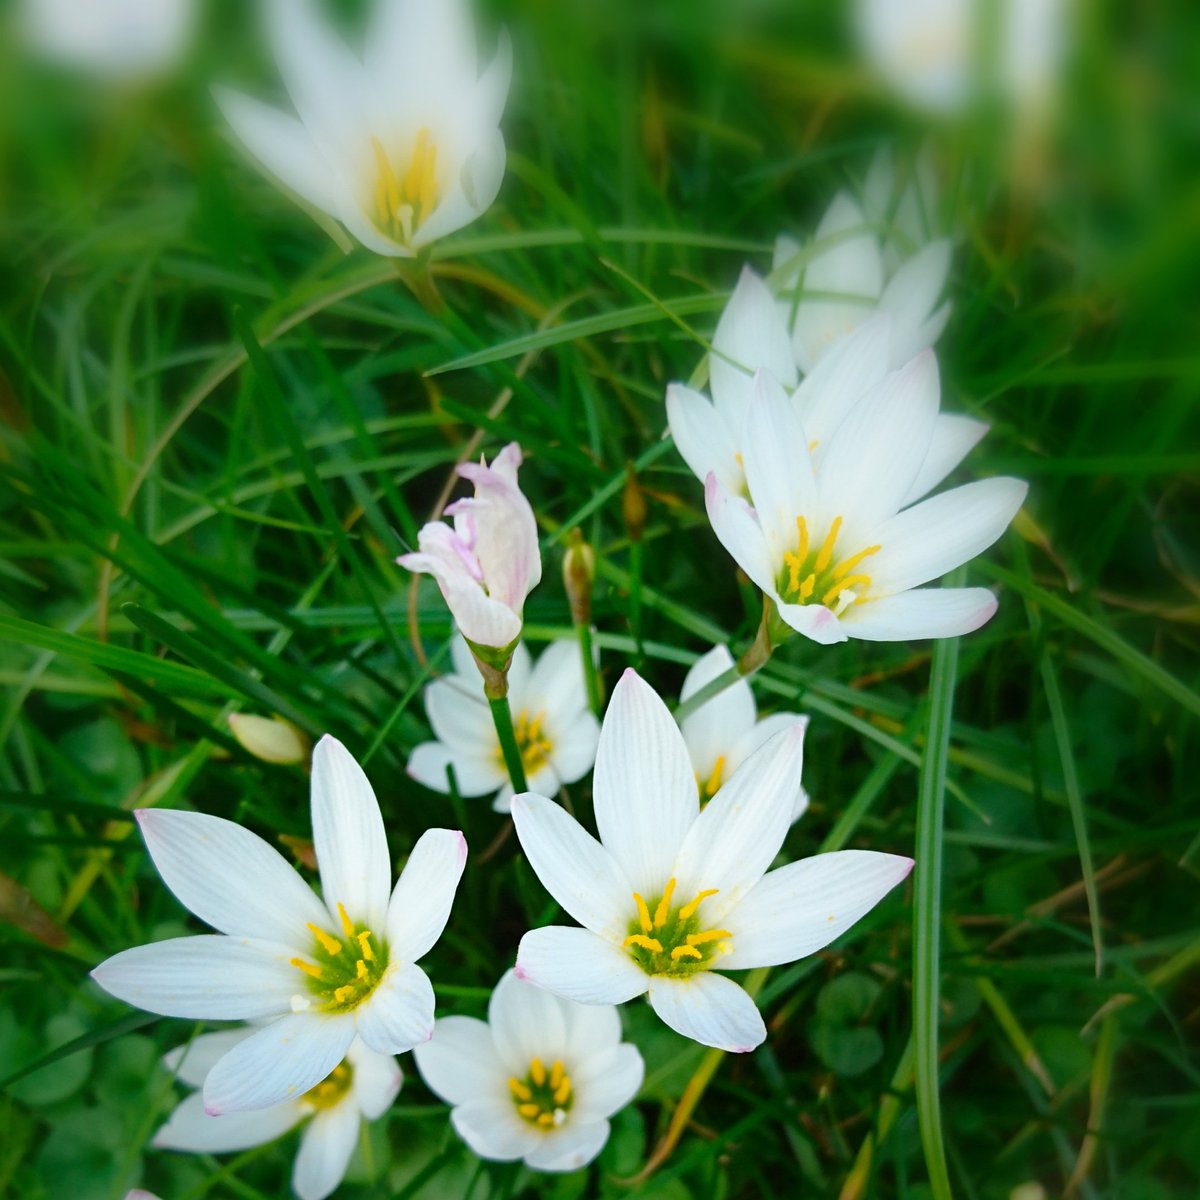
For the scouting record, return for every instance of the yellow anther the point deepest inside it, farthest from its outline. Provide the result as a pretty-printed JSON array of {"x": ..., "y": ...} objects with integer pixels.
[
  {"x": 714, "y": 780},
  {"x": 360, "y": 969},
  {"x": 307, "y": 967},
  {"x": 685, "y": 952},
  {"x": 528, "y": 1110},
  {"x": 342, "y": 994},
  {"x": 387, "y": 187},
  {"x": 738, "y": 459},
  {"x": 801, "y": 538},
  {"x": 813, "y": 444},
  {"x": 689, "y": 909},
  {"x": 806, "y": 588},
  {"x": 848, "y": 564},
  {"x": 643, "y": 914},
  {"x": 707, "y": 935},
  {"x": 347, "y": 924},
  {"x": 556, "y": 1074},
  {"x": 646, "y": 943},
  {"x": 420, "y": 181},
  {"x": 562, "y": 1093},
  {"x": 664, "y": 905},
  {"x": 364, "y": 945},
  {"x": 845, "y": 585},
  {"x": 518, "y": 1089},
  {"x": 546, "y": 1120},
  {"x": 537, "y": 1072},
  {"x": 329, "y": 943},
  {"x": 826, "y": 554}
]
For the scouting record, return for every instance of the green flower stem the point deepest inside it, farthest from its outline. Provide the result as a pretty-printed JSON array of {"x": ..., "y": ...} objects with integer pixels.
[
  {"x": 590, "y": 674},
  {"x": 755, "y": 657},
  {"x": 502, "y": 719}
]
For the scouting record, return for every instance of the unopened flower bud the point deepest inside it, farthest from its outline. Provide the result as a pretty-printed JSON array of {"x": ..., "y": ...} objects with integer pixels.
[
  {"x": 272, "y": 739},
  {"x": 633, "y": 505},
  {"x": 579, "y": 572}
]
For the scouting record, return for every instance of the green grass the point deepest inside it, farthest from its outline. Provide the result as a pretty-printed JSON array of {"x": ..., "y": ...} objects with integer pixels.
[{"x": 218, "y": 432}]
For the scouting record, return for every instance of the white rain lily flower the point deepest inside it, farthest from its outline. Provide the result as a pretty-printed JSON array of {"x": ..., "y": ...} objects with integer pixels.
[
  {"x": 403, "y": 147},
  {"x": 489, "y": 561},
  {"x": 835, "y": 548},
  {"x": 361, "y": 1087},
  {"x": 327, "y": 971},
  {"x": 537, "y": 1081},
  {"x": 846, "y": 284},
  {"x": 672, "y": 893},
  {"x": 906, "y": 213},
  {"x": 125, "y": 40},
  {"x": 556, "y": 731},
  {"x": 724, "y": 731}
]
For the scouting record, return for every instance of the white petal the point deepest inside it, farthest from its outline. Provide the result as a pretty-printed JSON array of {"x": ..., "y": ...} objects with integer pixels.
[
  {"x": 483, "y": 620},
  {"x": 814, "y": 621},
  {"x": 911, "y": 295},
  {"x": 703, "y": 437},
  {"x": 190, "y": 1128},
  {"x": 574, "y": 750},
  {"x": 207, "y": 977},
  {"x": 471, "y": 193},
  {"x": 192, "y": 1062},
  {"x": 279, "y": 1062},
  {"x": 738, "y": 530},
  {"x": 579, "y": 966},
  {"x": 473, "y": 776},
  {"x": 643, "y": 789},
  {"x": 398, "y": 1014},
  {"x": 574, "y": 868},
  {"x": 493, "y": 1130},
  {"x": 459, "y": 714},
  {"x": 758, "y": 736},
  {"x": 607, "y": 1081},
  {"x": 709, "y": 1009},
  {"x": 921, "y": 613},
  {"x": 734, "y": 839},
  {"x": 592, "y": 1029},
  {"x": 715, "y": 726},
  {"x": 376, "y": 1081},
  {"x": 802, "y": 907},
  {"x": 421, "y": 902},
  {"x": 348, "y": 836},
  {"x": 943, "y": 532},
  {"x": 459, "y": 1063},
  {"x": 325, "y": 1150},
  {"x": 527, "y": 1022},
  {"x": 569, "y": 1148},
  {"x": 954, "y": 437},
  {"x": 229, "y": 877},
  {"x": 556, "y": 685}
]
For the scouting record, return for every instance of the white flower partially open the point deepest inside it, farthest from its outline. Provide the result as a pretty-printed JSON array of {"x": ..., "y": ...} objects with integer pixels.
[
  {"x": 537, "y": 1081},
  {"x": 327, "y": 971},
  {"x": 832, "y": 544},
  {"x": 672, "y": 893},
  {"x": 489, "y": 561},
  {"x": 402, "y": 147},
  {"x": 724, "y": 731},
  {"x": 362, "y": 1087},
  {"x": 556, "y": 731}
]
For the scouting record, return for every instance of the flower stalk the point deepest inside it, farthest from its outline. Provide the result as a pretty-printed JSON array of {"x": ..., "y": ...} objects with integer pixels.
[{"x": 502, "y": 718}]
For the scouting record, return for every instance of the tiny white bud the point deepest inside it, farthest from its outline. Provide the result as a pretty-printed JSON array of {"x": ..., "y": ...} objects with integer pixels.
[{"x": 272, "y": 739}]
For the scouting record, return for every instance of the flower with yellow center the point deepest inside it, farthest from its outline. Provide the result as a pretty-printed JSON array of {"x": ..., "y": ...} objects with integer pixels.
[
  {"x": 537, "y": 1081},
  {"x": 361, "y": 1087},
  {"x": 672, "y": 894},
  {"x": 320, "y": 971},
  {"x": 402, "y": 147},
  {"x": 830, "y": 541},
  {"x": 556, "y": 731}
]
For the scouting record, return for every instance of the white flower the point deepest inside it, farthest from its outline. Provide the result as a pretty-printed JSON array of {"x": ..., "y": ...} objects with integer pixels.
[
  {"x": 724, "y": 731},
  {"x": 326, "y": 970},
  {"x": 489, "y": 561},
  {"x": 556, "y": 731},
  {"x": 403, "y": 147},
  {"x": 112, "y": 39},
  {"x": 671, "y": 892},
  {"x": 361, "y": 1087},
  {"x": 831, "y": 546},
  {"x": 273, "y": 739},
  {"x": 538, "y": 1080}
]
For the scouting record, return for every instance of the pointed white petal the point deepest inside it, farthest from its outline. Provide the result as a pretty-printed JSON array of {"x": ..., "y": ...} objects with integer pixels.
[
  {"x": 922, "y": 337},
  {"x": 279, "y": 1062},
  {"x": 759, "y": 735},
  {"x": 574, "y": 868},
  {"x": 190, "y": 1128},
  {"x": 571, "y": 1147},
  {"x": 471, "y": 193},
  {"x": 229, "y": 877},
  {"x": 954, "y": 437},
  {"x": 483, "y": 620},
  {"x": 921, "y": 613},
  {"x": 474, "y": 776},
  {"x": 192, "y": 1062},
  {"x": 592, "y": 1029},
  {"x": 493, "y": 1130},
  {"x": 556, "y": 685},
  {"x": 912, "y": 293},
  {"x": 398, "y": 1014},
  {"x": 325, "y": 1148},
  {"x": 703, "y": 437},
  {"x": 574, "y": 751},
  {"x": 712, "y": 730},
  {"x": 709, "y": 1009},
  {"x": 797, "y": 909},
  {"x": 607, "y": 1081},
  {"x": 459, "y": 1063},
  {"x": 459, "y": 714},
  {"x": 738, "y": 530},
  {"x": 579, "y": 966},
  {"x": 814, "y": 621},
  {"x": 348, "y": 835},
  {"x": 421, "y": 902},
  {"x": 376, "y": 1081},
  {"x": 207, "y": 977},
  {"x": 527, "y": 1022}
]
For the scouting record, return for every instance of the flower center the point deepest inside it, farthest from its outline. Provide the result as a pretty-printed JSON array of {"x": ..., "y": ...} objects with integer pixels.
[
  {"x": 331, "y": 1089},
  {"x": 670, "y": 941},
  {"x": 710, "y": 786},
  {"x": 813, "y": 575},
  {"x": 535, "y": 747},
  {"x": 401, "y": 203},
  {"x": 543, "y": 1098},
  {"x": 345, "y": 970}
]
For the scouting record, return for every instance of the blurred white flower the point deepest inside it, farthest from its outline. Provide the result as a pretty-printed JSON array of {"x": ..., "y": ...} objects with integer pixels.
[
  {"x": 836, "y": 548},
  {"x": 724, "y": 731},
  {"x": 670, "y": 892},
  {"x": 537, "y": 1081},
  {"x": 490, "y": 560},
  {"x": 556, "y": 731},
  {"x": 273, "y": 739},
  {"x": 112, "y": 39},
  {"x": 403, "y": 147},
  {"x": 362, "y": 1087},
  {"x": 326, "y": 971}
]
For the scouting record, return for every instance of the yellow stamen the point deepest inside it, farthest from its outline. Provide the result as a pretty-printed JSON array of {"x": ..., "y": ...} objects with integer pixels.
[
  {"x": 347, "y": 924},
  {"x": 307, "y": 967},
  {"x": 664, "y": 905},
  {"x": 806, "y": 588},
  {"x": 537, "y": 1072},
  {"x": 360, "y": 969},
  {"x": 707, "y": 935},
  {"x": 826, "y": 554},
  {"x": 689, "y": 909},
  {"x": 519, "y": 1089},
  {"x": 329, "y": 943},
  {"x": 839, "y": 588},
  {"x": 563, "y": 1092},
  {"x": 528, "y": 1110},
  {"x": 714, "y": 780},
  {"x": 556, "y": 1074},
  {"x": 643, "y": 914},
  {"x": 387, "y": 187},
  {"x": 342, "y": 994},
  {"x": 848, "y": 564},
  {"x": 801, "y": 538},
  {"x": 646, "y": 943},
  {"x": 813, "y": 444},
  {"x": 364, "y": 945},
  {"x": 420, "y": 181},
  {"x": 546, "y": 1120},
  {"x": 685, "y": 952}
]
